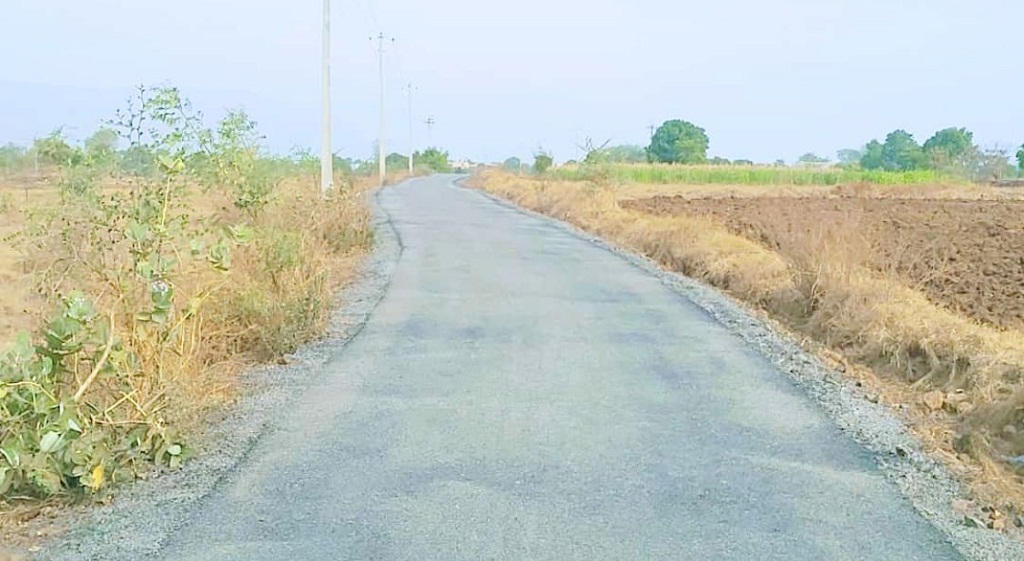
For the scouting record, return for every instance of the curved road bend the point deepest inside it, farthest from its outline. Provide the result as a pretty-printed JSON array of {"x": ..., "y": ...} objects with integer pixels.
[{"x": 521, "y": 394}]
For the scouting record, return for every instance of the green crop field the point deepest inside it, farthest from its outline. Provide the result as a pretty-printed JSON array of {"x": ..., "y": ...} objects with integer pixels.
[{"x": 745, "y": 175}]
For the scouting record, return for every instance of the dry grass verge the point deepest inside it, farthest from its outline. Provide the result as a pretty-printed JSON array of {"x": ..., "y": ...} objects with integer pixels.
[
  {"x": 156, "y": 273},
  {"x": 121, "y": 374},
  {"x": 958, "y": 381}
]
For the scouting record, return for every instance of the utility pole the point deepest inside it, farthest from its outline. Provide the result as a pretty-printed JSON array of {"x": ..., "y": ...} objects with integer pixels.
[
  {"x": 412, "y": 145},
  {"x": 430, "y": 130},
  {"x": 651, "y": 128},
  {"x": 381, "y": 161},
  {"x": 326, "y": 155}
]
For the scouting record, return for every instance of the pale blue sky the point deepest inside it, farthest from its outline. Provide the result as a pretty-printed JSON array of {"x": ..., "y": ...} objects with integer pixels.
[{"x": 767, "y": 78}]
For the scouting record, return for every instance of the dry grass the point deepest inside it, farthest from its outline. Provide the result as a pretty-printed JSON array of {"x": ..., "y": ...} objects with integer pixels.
[
  {"x": 19, "y": 303},
  {"x": 960, "y": 380},
  {"x": 277, "y": 294}
]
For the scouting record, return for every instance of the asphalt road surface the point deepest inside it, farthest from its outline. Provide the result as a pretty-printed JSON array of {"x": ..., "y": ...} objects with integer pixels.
[{"x": 521, "y": 394}]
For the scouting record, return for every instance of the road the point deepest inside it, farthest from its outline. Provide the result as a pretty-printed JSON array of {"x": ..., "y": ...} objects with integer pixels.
[{"x": 522, "y": 394}]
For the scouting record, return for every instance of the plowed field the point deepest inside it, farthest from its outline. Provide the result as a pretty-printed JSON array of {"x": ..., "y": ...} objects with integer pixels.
[{"x": 967, "y": 255}]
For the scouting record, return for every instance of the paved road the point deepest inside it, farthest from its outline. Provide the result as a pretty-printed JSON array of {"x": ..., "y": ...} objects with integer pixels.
[{"x": 521, "y": 394}]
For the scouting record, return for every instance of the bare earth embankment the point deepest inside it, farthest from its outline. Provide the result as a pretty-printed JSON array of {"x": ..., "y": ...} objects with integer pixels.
[{"x": 911, "y": 291}]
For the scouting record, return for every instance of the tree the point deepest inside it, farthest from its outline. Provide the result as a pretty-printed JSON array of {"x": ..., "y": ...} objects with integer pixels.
[
  {"x": 678, "y": 142},
  {"x": 339, "y": 164},
  {"x": 811, "y": 158},
  {"x": 623, "y": 154},
  {"x": 992, "y": 164},
  {"x": 54, "y": 149},
  {"x": 542, "y": 161},
  {"x": 513, "y": 164},
  {"x": 101, "y": 147},
  {"x": 871, "y": 156},
  {"x": 102, "y": 142},
  {"x": 901, "y": 152},
  {"x": 950, "y": 147},
  {"x": 396, "y": 161},
  {"x": 1020, "y": 158},
  {"x": 433, "y": 158},
  {"x": 849, "y": 156},
  {"x": 719, "y": 161},
  {"x": 626, "y": 154},
  {"x": 11, "y": 156}
]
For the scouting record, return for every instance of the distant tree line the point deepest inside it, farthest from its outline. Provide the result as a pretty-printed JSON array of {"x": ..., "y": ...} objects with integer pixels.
[
  {"x": 950, "y": 150},
  {"x": 101, "y": 153}
]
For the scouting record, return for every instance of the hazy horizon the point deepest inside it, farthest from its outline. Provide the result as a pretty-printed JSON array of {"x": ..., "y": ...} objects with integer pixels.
[{"x": 770, "y": 79}]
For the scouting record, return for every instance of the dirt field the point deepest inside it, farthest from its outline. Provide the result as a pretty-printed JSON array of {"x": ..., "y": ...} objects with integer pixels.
[
  {"x": 963, "y": 254},
  {"x": 19, "y": 304}
]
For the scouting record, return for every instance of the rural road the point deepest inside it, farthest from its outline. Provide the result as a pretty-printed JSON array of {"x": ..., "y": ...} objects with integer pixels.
[{"x": 522, "y": 394}]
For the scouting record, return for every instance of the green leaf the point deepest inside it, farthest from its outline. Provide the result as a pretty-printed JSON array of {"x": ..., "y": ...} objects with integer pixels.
[
  {"x": 241, "y": 234},
  {"x": 137, "y": 232},
  {"x": 79, "y": 308},
  {"x": 6, "y": 480},
  {"x": 50, "y": 443},
  {"x": 47, "y": 480},
  {"x": 12, "y": 457}
]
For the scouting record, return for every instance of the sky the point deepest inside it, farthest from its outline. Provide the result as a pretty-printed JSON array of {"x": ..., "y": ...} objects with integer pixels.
[{"x": 767, "y": 79}]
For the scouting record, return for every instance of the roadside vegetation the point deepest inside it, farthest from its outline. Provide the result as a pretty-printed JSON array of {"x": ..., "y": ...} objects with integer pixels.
[
  {"x": 900, "y": 287},
  {"x": 143, "y": 270}
]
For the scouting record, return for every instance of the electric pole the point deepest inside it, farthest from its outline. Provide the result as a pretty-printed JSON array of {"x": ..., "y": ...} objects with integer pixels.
[
  {"x": 430, "y": 130},
  {"x": 381, "y": 161},
  {"x": 412, "y": 149},
  {"x": 326, "y": 156}
]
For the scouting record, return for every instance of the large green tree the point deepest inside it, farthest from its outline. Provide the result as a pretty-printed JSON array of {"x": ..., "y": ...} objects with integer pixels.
[
  {"x": 871, "y": 156},
  {"x": 678, "y": 142},
  {"x": 1020, "y": 158},
  {"x": 434, "y": 158},
  {"x": 901, "y": 152},
  {"x": 950, "y": 147}
]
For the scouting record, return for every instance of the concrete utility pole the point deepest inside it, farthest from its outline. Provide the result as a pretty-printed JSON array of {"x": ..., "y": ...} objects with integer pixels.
[
  {"x": 326, "y": 155},
  {"x": 381, "y": 164},
  {"x": 412, "y": 145},
  {"x": 430, "y": 131}
]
